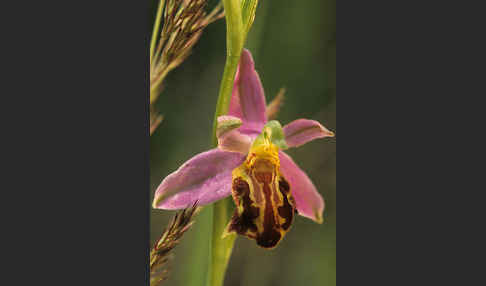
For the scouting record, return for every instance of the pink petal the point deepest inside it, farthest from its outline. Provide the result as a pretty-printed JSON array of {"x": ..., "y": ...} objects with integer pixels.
[
  {"x": 309, "y": 202},
  {"x": 248, "y": 100},
  {"x": 206, "y": 178},
  {"x": 301, "y": 131},
  {"x": 234, "y": 141},
  {"x": 229, "y": 138}
]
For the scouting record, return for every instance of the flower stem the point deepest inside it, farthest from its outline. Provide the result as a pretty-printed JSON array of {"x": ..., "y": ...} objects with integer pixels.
[
  {"x": 221, "y": 248},
  {"x": 234, "y": 45}
]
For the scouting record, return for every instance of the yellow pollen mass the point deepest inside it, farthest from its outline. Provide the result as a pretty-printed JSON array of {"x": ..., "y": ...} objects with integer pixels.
[{"x": 263, "y": 150}]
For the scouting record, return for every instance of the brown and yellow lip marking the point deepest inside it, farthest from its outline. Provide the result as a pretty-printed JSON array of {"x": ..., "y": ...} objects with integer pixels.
[{"x": 264, "y": 205}]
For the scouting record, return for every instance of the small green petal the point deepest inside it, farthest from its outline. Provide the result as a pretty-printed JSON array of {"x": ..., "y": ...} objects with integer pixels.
[{"x": 273, "y": 131}]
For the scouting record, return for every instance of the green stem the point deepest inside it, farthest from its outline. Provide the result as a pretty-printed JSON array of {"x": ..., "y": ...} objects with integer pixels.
[
  {"x": 225, "y": 91},
  {"x": 221, "y": 248},
  {"x": 234, "y": 45}
]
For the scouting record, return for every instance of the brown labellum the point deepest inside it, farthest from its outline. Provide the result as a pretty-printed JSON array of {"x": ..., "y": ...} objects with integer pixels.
[{"x": 264, "y": 205}]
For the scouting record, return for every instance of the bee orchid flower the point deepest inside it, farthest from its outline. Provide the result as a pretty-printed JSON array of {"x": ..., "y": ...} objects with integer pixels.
[{"x": 268, "y": 188}]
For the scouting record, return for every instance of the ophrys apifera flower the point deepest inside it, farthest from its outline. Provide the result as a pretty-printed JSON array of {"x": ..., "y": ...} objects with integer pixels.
[{"x": 249, "y": 164}]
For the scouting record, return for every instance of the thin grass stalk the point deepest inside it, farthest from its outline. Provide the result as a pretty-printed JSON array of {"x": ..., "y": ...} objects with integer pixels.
[
  {"x": 161, "y": 253},
  {"x": 178, "y": 26}
]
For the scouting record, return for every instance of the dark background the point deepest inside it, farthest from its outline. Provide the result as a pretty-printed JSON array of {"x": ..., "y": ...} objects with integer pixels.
[{"x": 294, "y": 46}]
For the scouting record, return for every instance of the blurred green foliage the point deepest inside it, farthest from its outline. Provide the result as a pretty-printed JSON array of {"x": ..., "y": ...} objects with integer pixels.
[{"x": 294, "y": 46}]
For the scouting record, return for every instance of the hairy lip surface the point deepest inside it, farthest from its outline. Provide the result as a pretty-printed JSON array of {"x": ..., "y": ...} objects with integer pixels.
[{"x": 265, "y": 206}]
